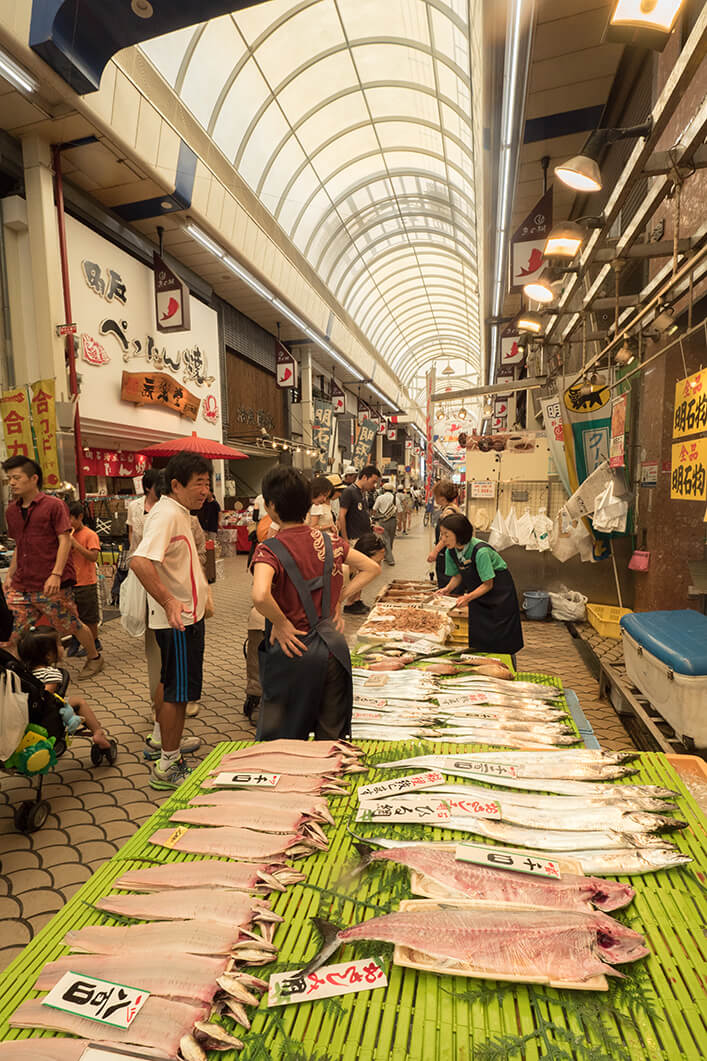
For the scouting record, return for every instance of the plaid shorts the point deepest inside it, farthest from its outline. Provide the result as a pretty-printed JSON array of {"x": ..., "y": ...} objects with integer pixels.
[{"x": 28, "y": 608}]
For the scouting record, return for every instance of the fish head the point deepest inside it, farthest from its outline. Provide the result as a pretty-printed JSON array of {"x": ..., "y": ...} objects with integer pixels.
[
  {"x": 618, "y": 943},
  {"x": 609, "y": 894},
  {"x": 655, "y": 823}
]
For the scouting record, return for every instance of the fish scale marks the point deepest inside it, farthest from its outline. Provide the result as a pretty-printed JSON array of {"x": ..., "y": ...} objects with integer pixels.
[
  {"x": 185, "y": 976},
  {"x": 222, "y": 904},
  {"x": 191, "y": 937},
  {"x": 246, "y": 845}
]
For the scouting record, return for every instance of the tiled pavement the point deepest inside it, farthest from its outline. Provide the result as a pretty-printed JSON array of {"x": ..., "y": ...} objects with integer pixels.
[{"x": 95, "y": 809}]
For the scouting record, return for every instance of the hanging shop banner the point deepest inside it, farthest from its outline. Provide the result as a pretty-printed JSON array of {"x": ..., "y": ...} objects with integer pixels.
[
  {"x": 364, "y": 412},
  {"x": 364, "y": 440},
  {"x": 688, "y": 478},
  {"x": 43, "y": 404},
  {"x": 528, "y": 242},
  {"x": 392, "y": 434},
  {"x": 338, "y": 399},
  {"x": 17, "y": 423},
  {"x": 511, "y": 353},
  {"x": 429, "y": 458},
  {"x": 172, "y": 309},
  {"x": 382, "y": 427},
  {"x": 588, "y": 416},
  {"x": 322, "y": 429},
  {"x": 286, "y": 367},
  {"x": 160, "y": 390},
  {"x": 690, "y": 411},
  {"x": 555, "y": 435},
  {"x": 123, "y": 463},
  {"x": 618, "y": 431}
]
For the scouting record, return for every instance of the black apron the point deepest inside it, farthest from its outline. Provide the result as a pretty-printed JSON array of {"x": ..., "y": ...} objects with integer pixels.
[
  {"x": 494, "y": 619},
  {"x": 294, "y": 687}
]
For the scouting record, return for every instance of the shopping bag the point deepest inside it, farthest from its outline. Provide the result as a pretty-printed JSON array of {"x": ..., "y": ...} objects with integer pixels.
[
  {"x": 499, "y": 538},
  {"x": 512, "y": 526},
  {"x": 541, "y": 531},
  {"x": 133, "y": 605},
  {"x": 14, "y": 713},
  {"x": 568, "y": 605},
  {"x": 524, "y": 530}
]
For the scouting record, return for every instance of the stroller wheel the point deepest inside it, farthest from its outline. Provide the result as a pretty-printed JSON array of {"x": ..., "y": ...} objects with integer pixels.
[
  {"x": 96, "y": 755},
  {"x": 111, "y": 754},
  {"x": 30, "y": 816},
  {"x": 245, "y": 649},
  {"x": 59, "y": 747}
]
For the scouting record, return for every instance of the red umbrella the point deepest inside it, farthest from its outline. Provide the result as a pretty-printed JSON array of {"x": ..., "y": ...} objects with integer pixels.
[{"x": 205, "y": 447}]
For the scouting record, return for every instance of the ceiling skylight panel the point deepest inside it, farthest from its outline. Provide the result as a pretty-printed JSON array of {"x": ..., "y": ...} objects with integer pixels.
[
  {"x": 246, "y": 95},
  {"x": 167, "y": 52},
  {"x": 218, "y": 50}
]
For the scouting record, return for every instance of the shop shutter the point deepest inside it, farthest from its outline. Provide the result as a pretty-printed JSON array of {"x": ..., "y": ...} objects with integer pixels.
[{"x": 247, "y": 338}]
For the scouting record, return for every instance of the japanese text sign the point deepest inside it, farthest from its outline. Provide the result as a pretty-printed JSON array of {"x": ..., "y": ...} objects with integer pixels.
[
  {"x": 322, "y": 428},
  {"x": 246, "y": 780},
  {"x": 405, "y": 810},
  {"x": 345, "y": 978},
  {"x": 160, "y": 391},
  {"x": 474, "y": 766},
  {"x": 364, "y": 440},
  {"x": 618, "y": 431},
  {"x": 44, "y": 419},
  {"x": 461, "y": 699},
  {"x": 528, "y": 242},
  {"x": 368, "y": 701},
  {"x": 171, "y": 299},
  {"x": 690, "y": 411},
  {"x": 98, "y": 1000},
  {"x": 483, "y": 489},
  {"x": 176, "y": 836},
  {"x": 501, "y": 858},
  {"x": 688, "y": 478},
  {"x": 412, "y": 783},
  {"x": 16, "y": 422}
]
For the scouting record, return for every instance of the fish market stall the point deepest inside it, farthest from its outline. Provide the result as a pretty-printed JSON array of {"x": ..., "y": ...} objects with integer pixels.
[{"x": 377, "y": 896}]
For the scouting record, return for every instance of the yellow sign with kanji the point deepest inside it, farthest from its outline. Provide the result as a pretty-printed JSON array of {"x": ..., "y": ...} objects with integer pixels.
[
  {"x": 17, "y": 423},
  {"x": 44, "y": 420},
  {"x": 688, "y": 475},
  {"x": 690, "y": 411}
]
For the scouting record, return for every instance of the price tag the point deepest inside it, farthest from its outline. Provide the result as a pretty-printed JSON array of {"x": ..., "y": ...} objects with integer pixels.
[
  {"x": 227, "y": 780},
  {"x": 400, "y": 784},
  {"x": 474, "y": 766},
  {"x": 368, "y": 701},
  {"x": 176, "y": 836},
  {"x": 461, "y": 700},
  {"x": 98, "y": 1000},
  {"x": 478, "y": 808},
  {"x": 690, "y": 409},
  {"x": 347, "y": 978},
  {"x": 421, "y": 813},
  {"x": 516, "y": 861},
  {"x": 688, "y": 479}
]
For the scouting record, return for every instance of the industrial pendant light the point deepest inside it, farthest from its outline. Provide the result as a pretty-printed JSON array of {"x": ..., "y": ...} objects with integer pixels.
[
  {"x": 529, "y": 322},
  {"x": 544, "y": 289},
  {"x": 627, "y": 354},
  {"x": 582, "y": 172},
  {"x": 448, "y": 371},
  {"x": 564, "y": 241},
  {"x": 646, "y": 23}
]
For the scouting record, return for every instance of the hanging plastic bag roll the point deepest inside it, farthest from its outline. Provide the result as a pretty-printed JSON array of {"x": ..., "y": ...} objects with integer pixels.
[{"x": 499, "y": 538}]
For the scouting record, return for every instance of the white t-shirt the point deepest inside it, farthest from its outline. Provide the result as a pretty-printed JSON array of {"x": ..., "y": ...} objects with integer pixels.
[
  {"x": 169, "y": 542},
  {"x": 326, "y": 519},
  {"x": 385, "y": 506}
]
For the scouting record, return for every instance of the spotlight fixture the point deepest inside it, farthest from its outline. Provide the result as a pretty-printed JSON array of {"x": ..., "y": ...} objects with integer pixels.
[
  {"x": 582, "y": 172},
  {"x": 529, "y": 322},
  {"x": 645, "y": 23},
  {"x": 564, "y": 241},
  {"x": 627, "y": 354},
  {"x": 665, "y": 323},
  {"x": 544, "y": 289}
]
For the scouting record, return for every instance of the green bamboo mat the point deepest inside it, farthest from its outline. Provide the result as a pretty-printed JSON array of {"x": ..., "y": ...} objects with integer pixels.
[{"x": 658, "y": 1012}]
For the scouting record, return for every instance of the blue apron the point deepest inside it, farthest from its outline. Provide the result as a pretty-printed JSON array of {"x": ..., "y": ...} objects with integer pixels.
[{"x": 294, "y": 687}]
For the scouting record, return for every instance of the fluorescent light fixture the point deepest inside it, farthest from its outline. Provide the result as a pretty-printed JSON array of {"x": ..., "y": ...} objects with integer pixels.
[
  {"x": 381, "y": 395},
  {"x": 529, "y": 322},
  {"x": 204, "y": 240},
  {"x": 244, "y": 275},
  {"x": 564, "y": 241},
  {"x": 17, "y": 76}
]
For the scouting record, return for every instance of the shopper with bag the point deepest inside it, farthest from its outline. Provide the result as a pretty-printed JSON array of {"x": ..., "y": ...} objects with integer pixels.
[
  {"x": 487, "y": 585},
  {"x": 385, "y": 513}
]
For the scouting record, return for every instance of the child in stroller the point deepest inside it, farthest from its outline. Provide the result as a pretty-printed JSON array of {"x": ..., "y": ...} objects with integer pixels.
[{"x": 41, "y": 651}]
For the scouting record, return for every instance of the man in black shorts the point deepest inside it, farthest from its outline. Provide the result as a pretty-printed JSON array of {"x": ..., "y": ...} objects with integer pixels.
[
  {"x": 355, "y": 518},
  {"x": 167, "y": 564}
]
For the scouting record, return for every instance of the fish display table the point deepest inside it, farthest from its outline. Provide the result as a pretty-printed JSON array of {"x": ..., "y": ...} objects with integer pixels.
[{"x": 658, "y": 1012}]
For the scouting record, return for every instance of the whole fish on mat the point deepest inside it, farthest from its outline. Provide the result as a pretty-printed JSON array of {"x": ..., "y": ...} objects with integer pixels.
[
  {"x": 469, "y": 881},
  {"x": 245, "y": 845},
  {"x": 582, "y": 789},
  {"x": 560, "y": 765},
  {"x": 241, "y": 876},
  {"x": 215, "y": 904},
  {"x": 316, "y": 749},
  {"x": 185, "y": 976},
  {"x": 560, "y": 945},
  {"x": 190, "y": 937},
  {"x": 557, "y": 803}
]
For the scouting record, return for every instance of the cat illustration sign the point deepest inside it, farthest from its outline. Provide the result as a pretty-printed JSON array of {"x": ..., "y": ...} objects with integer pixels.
[{"x": 171, "y": 299}]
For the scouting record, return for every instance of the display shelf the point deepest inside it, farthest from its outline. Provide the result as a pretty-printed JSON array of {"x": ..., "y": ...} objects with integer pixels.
[{"x": 657, "y": 1013}]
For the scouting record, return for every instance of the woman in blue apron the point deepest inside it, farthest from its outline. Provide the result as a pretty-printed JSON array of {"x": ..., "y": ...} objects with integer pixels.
[
  {"x": 305, "y": 666},
  {"x": 487, "y": 588}
]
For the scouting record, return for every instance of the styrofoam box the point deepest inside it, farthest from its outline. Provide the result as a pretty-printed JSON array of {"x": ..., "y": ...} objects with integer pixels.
[{"x": 680, "y": 698}]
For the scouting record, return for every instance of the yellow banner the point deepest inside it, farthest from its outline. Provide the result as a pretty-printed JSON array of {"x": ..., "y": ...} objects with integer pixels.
[
  {"x": 44, "y": 419},
  {"x": 688, "y": 476},
  {"x": 16, "y": 423},
  {"x": 690, "y": 410}
]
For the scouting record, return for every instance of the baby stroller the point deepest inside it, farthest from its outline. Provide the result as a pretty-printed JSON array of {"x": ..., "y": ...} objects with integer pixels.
[{"x": 44, "y": 714}]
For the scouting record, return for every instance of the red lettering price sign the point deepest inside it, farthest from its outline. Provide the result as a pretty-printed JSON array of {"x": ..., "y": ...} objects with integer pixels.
[
  {"x": 396, "y": 785},
  {"x": 500, "y": 858},
  {"x": 690, "y": 409},
  {"x": 98, "y": 1000},
  {"x": 347, "y": 978},
  {"x": 477, "y": 808},
  {"x": 260, "y": 780}
]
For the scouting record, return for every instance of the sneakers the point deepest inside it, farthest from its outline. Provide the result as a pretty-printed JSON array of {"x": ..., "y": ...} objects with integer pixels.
[
  {"x": 357, "y": 608},
  {"x": 91, "y": 668},
  {"x": 192, "y": 709},
  {"x": 169, "y": 779},
  {"x": 154, "y": 748}
]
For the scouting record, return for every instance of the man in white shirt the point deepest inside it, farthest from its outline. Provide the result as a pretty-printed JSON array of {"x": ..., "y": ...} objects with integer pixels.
[
  {"x": 384, "y": 510},
  {"x": 167, "y": 564}
]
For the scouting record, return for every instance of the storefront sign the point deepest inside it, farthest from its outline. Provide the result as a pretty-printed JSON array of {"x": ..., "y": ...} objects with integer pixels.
[
  {"x": 412, "y": 783},
  {"x": 125, "y": 464},
  {"x": 44, "y": 419},
  {"x": 346, "y": 978},
  {"x": 93, "y": 352},
  {"x": 364, "y": 440},
  {"x": 99, "y": 1000},
  {"x": 690, "y": 411},
  {"x": 160, "y": 390},
  {"x": 483, "y": 489},
  {"x": 502, "y": 858},
  {"x": 338, "y": 399},
  {"x": 382, "y": 427},
  {"x": 286, "y": 367},
  {"x": 511, "y": 352},
  {"x": 66, "y": 329},
  {"x": 210, "y": 409},
  {"x": 688, "y": 479},
  {"x": 172, "y": 310},
  {"x": 16, "y": 422},
  {"x": 528, "y": 242},
  {"x": 322, "y": 429},
  {"x": 618, "y": 431},
  {"x": 106, "y": 283}
]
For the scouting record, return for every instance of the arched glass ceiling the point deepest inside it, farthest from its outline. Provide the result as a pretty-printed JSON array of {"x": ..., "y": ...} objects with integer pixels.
[{"x": 351, "y": 120}]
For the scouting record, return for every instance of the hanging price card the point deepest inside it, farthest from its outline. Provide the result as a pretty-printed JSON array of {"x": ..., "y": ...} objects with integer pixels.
[
  {"x": 477, "y": 766},
  {"x": 227, "y": 780},
  {"x": 344, "y": 979},
  {"x": 395, "y": 810},
  {"x": 400, "y": 784},
  {"x": 690, "y": 410},
  {"x": 500, "y": 858},
  {"x": 688, "y": 478},
  {"x": 98, "y": 1000},
  {"x": 461, "y": 699}
]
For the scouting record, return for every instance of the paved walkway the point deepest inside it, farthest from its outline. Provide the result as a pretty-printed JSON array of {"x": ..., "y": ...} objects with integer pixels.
[{"x": 95, "y": 809}]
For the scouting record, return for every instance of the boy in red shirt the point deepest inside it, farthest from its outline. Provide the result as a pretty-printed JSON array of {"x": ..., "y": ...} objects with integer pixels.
[{"x": 85, "y": 547}]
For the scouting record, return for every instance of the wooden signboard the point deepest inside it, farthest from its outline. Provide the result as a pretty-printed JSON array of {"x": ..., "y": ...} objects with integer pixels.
[{"x": 160, "y": 391}]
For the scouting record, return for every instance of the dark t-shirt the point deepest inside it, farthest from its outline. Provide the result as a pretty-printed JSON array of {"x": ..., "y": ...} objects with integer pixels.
[
  {"x": 358, "y": 519},
  {"x": 36, "y": 532},
  {"x": 208, "y": 516}
]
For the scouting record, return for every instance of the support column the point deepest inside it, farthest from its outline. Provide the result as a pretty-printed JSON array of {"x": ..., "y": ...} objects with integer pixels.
[
  {"x": 306, "y": 389},
  {"x": 378, "y": 451}
]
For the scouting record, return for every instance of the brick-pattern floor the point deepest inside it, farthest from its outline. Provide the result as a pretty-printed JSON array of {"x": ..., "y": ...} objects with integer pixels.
[{"x": 94, "y": 810}]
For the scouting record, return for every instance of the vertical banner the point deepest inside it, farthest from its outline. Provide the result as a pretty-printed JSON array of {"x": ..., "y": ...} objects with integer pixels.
[
  {"x": 589, "y": 418},
  {"x": 322, "y": 429},
  {"x": 338, "y": 399},
  {"x": 364, "y": 440},
  {"x": 286, "y": 367},
  {"x": 555, "y": 435},
  {"x": 511, "y": 353},
  {"x": 690, "y": 409},
  {"x": 428, "y": 431},
  {"x": 618, "y": 432},
  {"x": 17, "y": 423},
  {"x": 44, "y": 419},
  {"x": 528, "y": 241}
]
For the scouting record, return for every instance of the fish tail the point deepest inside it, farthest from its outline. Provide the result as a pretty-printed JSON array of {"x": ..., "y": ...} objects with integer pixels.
[
  {"x": 366, "y": 853},
  {"x": 330, "y": 944}
]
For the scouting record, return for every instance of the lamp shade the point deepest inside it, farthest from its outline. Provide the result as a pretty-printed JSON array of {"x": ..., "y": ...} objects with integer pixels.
[
  {"x": 564, "y": 240},
  {"x": 656, "y": 15},
  {"x": 542, "y": 289},
  {"x": 529, "y": 322},
  {"x": 580, "y": 173}
]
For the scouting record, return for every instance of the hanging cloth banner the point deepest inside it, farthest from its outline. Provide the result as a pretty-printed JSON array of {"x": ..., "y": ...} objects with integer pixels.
[
  {"x": 17, "y": 423},
  {"x": 587, "y": 442},
  {"x": 322, "y": 427},
  {"x": 44, "y": 420},
  {"x": 338, "y": 399},
  {"x": 528, "y": 242},
  {"x": 364, "y": 440},
  {"x": 555, "y": 434}
]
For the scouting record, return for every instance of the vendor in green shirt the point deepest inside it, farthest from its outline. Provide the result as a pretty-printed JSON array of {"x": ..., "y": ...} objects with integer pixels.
[{"x": 488, "y": 588}]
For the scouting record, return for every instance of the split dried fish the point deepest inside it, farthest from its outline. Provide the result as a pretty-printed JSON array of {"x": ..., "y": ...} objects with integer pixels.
[
  {"x": 185, "y": 976},
  {"x": 245, "y": 845},
  {"x": 241, "y": 876},
  {"x": 190, "y": 937},
  {"x": 214, "y": 904}
]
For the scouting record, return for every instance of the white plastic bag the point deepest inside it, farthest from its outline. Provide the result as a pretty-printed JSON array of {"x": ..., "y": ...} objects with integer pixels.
[
  {"x": 570, "y": 537},
  {"x": 568, "y": 605},
  {"x": 499, "y": 538},
  {"x": 524, "y": 529},
  {"x": 14, "y": 715},
  {"x": 610, "y": 511},
  {"x": 133, "y": 605},
  {"x": 541, "y": 531},
  {"x": 512, "y": 526}
]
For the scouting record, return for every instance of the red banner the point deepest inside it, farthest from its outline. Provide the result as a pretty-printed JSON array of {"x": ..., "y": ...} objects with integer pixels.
[{"x": 123, "y": 463}]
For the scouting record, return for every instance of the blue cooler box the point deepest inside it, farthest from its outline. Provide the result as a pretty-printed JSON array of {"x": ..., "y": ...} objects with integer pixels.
[{"x": 666, "y": 658}]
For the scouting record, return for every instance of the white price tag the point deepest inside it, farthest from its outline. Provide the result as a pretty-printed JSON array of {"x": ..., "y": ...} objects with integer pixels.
[
  {"x": 460, "y": 700},
  {"x": 396, "y": 785},
  {"x": 98, "y": 1000},
  {"x": 491, "y": 769},
  {"x": 423, "y": 813},
  {"x": 228, "y": 780},
  {"x": 477, "y": 808},
  {"x": 346, "y": 978},
  {"x": 499, "y": 858},
  {"x": 368, "y": 701}
]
